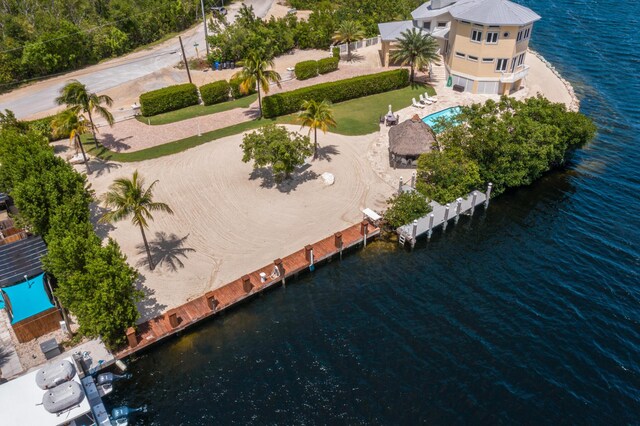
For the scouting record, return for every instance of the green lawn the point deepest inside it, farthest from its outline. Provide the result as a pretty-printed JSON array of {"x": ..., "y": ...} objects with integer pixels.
[
  {"x": 197, "y": 111},
  {"x": 355, "y": 117}
]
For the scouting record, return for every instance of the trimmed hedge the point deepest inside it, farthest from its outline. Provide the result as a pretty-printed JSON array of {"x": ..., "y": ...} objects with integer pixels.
[
  {"x": 337, "y": 91},
  {"x": 306, "y": 69},
  {"x": 43, "y": 126},
  {"x": 216, "y": 92},
  {"x": 168, "y": 99},
  {"x": 327, "y": 65},
  {"x": 336, "y": 52},
  {"x": 235, "y": 89}
]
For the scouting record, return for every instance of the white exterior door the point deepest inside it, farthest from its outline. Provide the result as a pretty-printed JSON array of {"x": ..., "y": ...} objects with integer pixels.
[
  {"x": 488, "y": 87},
  {"x": 467, "y": 83}
]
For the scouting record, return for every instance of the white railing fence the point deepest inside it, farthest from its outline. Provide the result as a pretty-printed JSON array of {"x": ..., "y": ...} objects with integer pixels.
[{"x": 357, "y": 44}]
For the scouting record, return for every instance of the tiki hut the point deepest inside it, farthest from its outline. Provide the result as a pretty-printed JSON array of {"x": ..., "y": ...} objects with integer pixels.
[{"x": 408, "y": 140}]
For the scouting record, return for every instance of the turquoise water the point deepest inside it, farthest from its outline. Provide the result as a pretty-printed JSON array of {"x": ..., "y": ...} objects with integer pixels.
[
  {"x": 448, "y": 113},
  {"x": 528, "y": 313}
]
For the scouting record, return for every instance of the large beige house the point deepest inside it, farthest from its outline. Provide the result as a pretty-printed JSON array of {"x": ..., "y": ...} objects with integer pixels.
[{"x": 483, "y": 42}]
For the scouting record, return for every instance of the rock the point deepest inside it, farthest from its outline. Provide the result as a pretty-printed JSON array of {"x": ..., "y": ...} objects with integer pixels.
[{"x": 327, "y": 178}]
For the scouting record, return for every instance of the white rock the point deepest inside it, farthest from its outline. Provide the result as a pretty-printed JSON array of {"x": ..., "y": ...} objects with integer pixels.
[{"x": 328, "y": 178}]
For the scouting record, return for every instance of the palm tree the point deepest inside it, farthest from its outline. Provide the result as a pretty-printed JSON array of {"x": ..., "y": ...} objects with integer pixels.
[
  {"x": 316, "y": 115},
  {"x": 69, "y": 121},
  {"x": 347, "y": 32},
  {"x": 75, "y": 95},
  {"x": 254, "y": 72},
  {"x": 128, "y": 198},
  {"x": 417, "y": 49}
]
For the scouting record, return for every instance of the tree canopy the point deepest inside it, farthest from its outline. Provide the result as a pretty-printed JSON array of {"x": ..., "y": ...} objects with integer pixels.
[
  {"x": 93, "y": 281},
  {"x": 274, "y": 146}
]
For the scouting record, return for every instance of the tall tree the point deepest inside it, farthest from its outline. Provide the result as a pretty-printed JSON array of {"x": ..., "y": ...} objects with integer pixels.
[
  {"x": 254, "y": 72},
  {"x": 76, "y": 96},
  {"x": 69, "y": 121},
  {"x": 416, "y": 48},
  {"x": 316, "y": 115},
  {"x": 129, "y": 198},
  {"x": 348, "y": 32}
]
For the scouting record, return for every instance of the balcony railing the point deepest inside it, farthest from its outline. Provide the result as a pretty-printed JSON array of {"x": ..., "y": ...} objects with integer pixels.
[{"x": 521, "y": 72}]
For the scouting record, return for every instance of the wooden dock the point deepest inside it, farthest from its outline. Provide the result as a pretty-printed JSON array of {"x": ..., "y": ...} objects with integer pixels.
[
  {"x": 225, "y": 297},
  {"x": 440, "y": 215}
]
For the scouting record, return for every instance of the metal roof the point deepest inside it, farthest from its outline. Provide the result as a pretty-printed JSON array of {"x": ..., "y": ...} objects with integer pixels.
[
  {"x": 21, "y": 258},
  {"x": 493, "y": 12},
  {"x": 427, "y": 11},
  {"x": 390, "y": 31}
]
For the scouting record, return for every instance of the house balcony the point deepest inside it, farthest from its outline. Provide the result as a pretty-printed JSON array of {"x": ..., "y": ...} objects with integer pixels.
[{"x": 521, "y": 72}]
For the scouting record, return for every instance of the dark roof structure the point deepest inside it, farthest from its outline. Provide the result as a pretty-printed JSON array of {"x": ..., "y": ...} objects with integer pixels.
[
  {"x": 411, "y": 138},
  {"x": 21, "y": 258}
]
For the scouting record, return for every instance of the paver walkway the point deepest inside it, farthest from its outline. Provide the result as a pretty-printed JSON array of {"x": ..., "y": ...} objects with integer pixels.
[{"x": 10, "y": 365}]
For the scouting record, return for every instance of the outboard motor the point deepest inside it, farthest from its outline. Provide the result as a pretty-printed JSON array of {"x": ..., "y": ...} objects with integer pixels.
[
  {"x": 124, "y": 412},
  {"x": 108, "y": 378}
]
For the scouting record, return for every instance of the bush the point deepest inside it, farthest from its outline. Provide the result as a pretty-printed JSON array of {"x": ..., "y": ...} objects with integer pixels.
[
  {"x": 43, "y": 126},
  {"x": 405, "y": 208},
  {"x": 168, "y": 99},
  {"x": 336, "y": 52},
  {"x": 306, "y": 69},
  {"x": 337, "y": 91},
  {"x": 236, "y": 93},
  {"x": 216, "y": 92},
  {"x": 327, "y": 65}
]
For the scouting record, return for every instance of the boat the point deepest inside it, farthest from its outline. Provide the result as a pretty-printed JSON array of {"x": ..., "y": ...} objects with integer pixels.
[
  {"x": 54, "y": 374},
  {"x": 63, "y": 397}
]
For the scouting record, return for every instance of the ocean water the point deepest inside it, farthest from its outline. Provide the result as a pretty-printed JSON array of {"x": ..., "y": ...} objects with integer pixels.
[{"x": 528, "y": 313}]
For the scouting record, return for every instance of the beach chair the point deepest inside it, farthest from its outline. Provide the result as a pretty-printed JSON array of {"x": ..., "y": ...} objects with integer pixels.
[
  {"x": 424, "y": 100},
  {"x": 433, "y": 99},
  {"x": 416, "y": 104}
]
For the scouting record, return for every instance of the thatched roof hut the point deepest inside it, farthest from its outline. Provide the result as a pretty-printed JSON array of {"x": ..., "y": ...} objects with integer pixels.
[{"x": 408, "y": 140}]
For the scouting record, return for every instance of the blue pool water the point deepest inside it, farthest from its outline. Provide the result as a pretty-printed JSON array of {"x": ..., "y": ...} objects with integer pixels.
[
  {"x": 432, "y": 119},
  {"x": 526, "y": 314}
]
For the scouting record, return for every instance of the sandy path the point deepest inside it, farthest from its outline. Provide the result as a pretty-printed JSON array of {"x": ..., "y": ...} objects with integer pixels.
[{"x": 236, "y": 224}]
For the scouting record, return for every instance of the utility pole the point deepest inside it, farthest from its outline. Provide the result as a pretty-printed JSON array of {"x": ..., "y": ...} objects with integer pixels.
[
  {"x": 186, "y": 63},
  {"x": 204, "y": 21}
]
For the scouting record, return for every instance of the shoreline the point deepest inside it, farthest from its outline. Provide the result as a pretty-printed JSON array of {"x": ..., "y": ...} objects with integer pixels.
[{"x": 575, "y": 102}]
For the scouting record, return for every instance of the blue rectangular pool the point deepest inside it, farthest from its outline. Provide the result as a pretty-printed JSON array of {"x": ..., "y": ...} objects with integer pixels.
[{"x": 431, "y": 119}]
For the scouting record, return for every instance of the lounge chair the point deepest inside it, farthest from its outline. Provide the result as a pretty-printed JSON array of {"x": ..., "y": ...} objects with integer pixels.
[
  {"x": 433, "y": 99},
  {"x": 416, "y": 104},
  {"x": 424, "y": 100}
]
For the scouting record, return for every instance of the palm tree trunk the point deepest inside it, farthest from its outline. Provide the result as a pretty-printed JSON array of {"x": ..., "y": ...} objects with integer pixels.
[
  {"x": 84, "y": 156},
  {"x": 412, "y": 71},
  {"x": 259, "y": 101},
  {"x": 93, "y": 129},
  {"x": 146, "y": 246},
  {"x": 315, "y": 143},
  {"x": 348, "y": 51}
]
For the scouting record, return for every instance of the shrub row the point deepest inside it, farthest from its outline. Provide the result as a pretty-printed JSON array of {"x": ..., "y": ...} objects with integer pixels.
[
  {"x": 43, "y": 126},
  {"x": 309, "y": 69},
  {"x": 216, "y": 92},
  {"x": 336, "y": 52},
  {"x": 306, "y": 69},
  {"x": 337, "y": 91},
  {"x": 236, "y": 93},
  {"x": 327, "y": 65},
  {"x": 168, "y": 99}
]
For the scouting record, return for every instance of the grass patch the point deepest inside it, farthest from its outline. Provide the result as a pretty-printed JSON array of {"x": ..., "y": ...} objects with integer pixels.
[
  {"x": 355, "y": 117},
  {"x": 197, "y": 111}
]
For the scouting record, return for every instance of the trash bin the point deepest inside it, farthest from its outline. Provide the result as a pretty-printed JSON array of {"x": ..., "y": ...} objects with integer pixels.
[{"x": 50, "y": 348}]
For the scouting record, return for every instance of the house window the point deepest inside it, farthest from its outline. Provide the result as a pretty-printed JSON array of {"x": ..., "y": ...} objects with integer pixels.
[
  {"x": 476, "y": 36},
  {"x": 472, "y": 58},
  {"x": 492, "y": 37},
  {"x": 442, "y": 24},
  {"x": 487, "y": 60},
  {"x": 519, "y": 38},
  {"x": 501, "y": 65},
  {"x": 460, "y": 55},
  {"x": 506, "y": 34},
  {"x": 465, "y": 22},
  {"x": 523, "y": 34},
  {"x": 521, "y": 59},
  {"x": 527, "y": 32},
  {"x": 426, "y": 24}
]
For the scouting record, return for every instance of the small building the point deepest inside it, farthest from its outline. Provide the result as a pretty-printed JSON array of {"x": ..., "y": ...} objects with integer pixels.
[
  {"x": 25, "y": 291},
  {"x": 483, "y": 42},
  {"x": 409, "y": 140}
]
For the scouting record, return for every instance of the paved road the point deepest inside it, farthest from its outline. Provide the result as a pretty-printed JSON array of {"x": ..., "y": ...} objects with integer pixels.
[{"x": 40, "y": 96}]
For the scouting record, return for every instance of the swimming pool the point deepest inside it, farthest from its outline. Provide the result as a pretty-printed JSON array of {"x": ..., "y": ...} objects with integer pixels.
[{"x": 431, "y": 119}]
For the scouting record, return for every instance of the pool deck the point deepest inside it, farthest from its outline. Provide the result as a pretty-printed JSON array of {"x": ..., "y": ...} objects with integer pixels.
[{"x": 241, "y": 289}]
